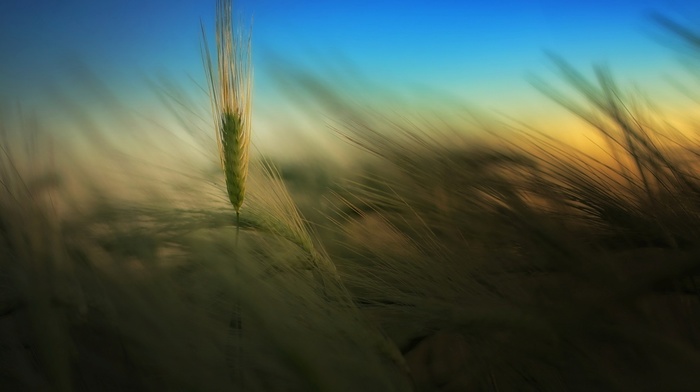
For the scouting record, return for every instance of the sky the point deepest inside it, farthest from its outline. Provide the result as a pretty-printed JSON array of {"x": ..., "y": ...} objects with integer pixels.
[{"x": 478, "y": 51}]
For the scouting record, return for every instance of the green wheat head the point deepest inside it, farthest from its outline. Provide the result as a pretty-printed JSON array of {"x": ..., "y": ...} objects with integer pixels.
[{"x": 230, "y": 91}]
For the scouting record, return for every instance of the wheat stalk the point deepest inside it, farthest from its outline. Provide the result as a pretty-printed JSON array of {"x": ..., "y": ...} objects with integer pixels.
[{"x": 230, "y": 90}]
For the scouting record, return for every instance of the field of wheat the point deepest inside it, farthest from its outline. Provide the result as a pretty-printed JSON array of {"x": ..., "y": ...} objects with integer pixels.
[{"x": 445, "y": 256}]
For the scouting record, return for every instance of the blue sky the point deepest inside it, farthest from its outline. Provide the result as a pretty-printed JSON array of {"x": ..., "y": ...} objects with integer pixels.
[{"x": 477, "y": 50}]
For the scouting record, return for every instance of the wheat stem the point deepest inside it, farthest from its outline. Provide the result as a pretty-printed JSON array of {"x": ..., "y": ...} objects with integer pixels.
[{"x": 230, "y": 91}]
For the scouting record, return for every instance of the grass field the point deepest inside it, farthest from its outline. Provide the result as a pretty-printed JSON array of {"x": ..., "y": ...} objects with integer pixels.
[{"x": 488, "y": 257}]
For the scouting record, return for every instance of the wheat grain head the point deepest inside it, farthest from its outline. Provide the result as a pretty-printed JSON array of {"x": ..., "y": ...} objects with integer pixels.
[{"x": 230, "y": 86}]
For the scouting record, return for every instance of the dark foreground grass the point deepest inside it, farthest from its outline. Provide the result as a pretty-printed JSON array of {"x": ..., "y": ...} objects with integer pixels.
[{"x": 514, "y": 264}]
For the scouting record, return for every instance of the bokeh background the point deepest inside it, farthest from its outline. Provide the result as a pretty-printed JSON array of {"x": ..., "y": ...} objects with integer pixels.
[{"x": 477, "y": 53}]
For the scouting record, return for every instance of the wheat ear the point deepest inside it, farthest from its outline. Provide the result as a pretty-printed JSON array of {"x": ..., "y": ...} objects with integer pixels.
[{"x": 230, "y": 89}]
